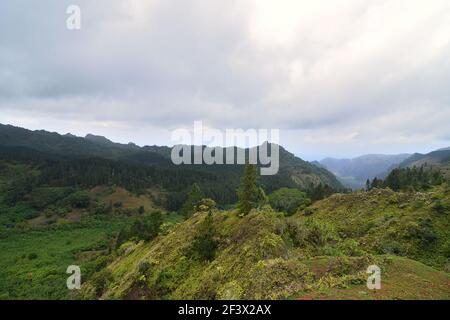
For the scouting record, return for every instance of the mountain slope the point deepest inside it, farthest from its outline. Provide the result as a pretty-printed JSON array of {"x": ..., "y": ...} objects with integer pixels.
[
  {"x": 439, "y": 159},
  {"x": 218, "y": 181}
]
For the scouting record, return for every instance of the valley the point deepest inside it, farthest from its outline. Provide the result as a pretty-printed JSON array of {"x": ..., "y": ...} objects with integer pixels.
[{"x": 141, "y": 228}]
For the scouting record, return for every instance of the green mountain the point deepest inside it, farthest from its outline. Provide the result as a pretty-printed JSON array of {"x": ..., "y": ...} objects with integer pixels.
[{"x": 95, "y": 160}]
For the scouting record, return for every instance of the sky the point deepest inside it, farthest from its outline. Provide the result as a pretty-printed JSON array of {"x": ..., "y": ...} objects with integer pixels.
[{"x": 337, "y": 78}]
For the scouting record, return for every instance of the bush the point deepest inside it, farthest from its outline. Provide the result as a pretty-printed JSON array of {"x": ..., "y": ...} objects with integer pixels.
[
  {"x": 206, "y": 205},
  {"x": 289, "y": 200},
  {"x": 319, "y": 233},
  {"x": 143, "y": 228},
  {"x": 423, "y": 231},
  {"x": 100, "y": 281},
  {"x": 440, "y": 207},
  {"x": 392, "y": 247}
]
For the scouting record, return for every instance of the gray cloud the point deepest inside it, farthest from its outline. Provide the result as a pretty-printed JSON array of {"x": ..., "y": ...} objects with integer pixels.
[{"x": 338, "y": 79}]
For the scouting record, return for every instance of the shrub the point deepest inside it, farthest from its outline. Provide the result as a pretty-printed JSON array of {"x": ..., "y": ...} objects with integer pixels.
[
  {"x": 206, "y": 205},
  {"x": 289, "y": 200},
  {"x": 143, "y": 228},
  {"x": 423, "y": 230},
  {"x": 392, "y": 247},
  {"x": 100, "y": 281},
  {"x": 144, "y": 267},
  {"x": 440, "y": 207},
  {"x": 319, "y": 233}
]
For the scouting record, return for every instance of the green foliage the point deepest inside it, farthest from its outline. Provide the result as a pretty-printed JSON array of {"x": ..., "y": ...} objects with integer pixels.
[
  {"x": 410, "y": 179},
  {"x": 100, "y": 281},
  {"x": 320, "y": 192},
  {"x": 193, "y": 198},
  {"x": 32, "y": 256},
  {"x": 289, "y": 200},
  {"x": 206, "y": 205},
  {"x": 42, "y": 197},
  {"x": 40, "y": 273},
  {"x": 79, "y": 199},
  {"x": 248, "y": 192},
  {"x": 204, "y": 245},
  {"x": 441, "y": 207},
  {"x": 18, "y": 188},
  {"x": 145, "y": 228}
]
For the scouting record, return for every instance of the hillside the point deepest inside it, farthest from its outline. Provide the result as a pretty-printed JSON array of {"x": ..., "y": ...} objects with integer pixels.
[
  {"x": 354, "y": 172},
  {"x": 321, "y": 252},
  {"x": 219, "y": 181},
  {"x": 439, "y": 159}
]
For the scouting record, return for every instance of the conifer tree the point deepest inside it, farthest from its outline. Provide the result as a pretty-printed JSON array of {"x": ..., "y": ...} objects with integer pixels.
[
  {"x": 193, "y": 198},
  {"x": 248, "y": 192}
]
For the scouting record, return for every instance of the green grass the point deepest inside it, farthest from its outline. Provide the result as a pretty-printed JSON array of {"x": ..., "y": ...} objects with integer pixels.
[
  {"x": 33, "y": 263},
  {"x": 44, "y": 277}
]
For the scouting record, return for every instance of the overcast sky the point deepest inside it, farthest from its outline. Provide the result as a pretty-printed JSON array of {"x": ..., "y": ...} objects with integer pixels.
[{"x": 338, "y": 78}]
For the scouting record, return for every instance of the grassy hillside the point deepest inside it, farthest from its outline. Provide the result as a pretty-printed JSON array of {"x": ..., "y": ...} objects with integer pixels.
[{"x": 321, "y": 252}]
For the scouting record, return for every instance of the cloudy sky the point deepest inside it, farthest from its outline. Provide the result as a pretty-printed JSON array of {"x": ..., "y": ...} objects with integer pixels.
[{"x": 338, "y": 78}]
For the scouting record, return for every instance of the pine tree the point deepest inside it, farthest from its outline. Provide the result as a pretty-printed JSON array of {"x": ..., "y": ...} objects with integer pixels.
[
  {"x": 193, "y": 198},
  {"x": 204, "y": 246},
  {"x": 248, "y": 192}
]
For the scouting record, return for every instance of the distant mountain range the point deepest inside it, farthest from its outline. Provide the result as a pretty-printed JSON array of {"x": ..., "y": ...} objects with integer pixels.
[{"x": 354, "y": 172}]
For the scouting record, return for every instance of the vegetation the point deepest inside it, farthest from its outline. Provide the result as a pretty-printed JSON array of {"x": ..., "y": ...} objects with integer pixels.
[
  {"x": 193, "y": 198},
  {"x": 248, "y": 192},
  {"x": 140, "y": 227},
  {"x": 409, "y": 179},
  {"x": 266, "y": 255},
  {"x": 289, "y": 200}
]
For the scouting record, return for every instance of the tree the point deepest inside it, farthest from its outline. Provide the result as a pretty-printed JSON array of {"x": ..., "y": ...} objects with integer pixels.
[
  {"x": 376, "y": 183},
  {"x": 248, "y": 192},
  {"x": 204, "y": 246},
  {"x": 368, "y": 185},
  {"x": 288, "y": 200},
  {"x": 193, "y": 198}
]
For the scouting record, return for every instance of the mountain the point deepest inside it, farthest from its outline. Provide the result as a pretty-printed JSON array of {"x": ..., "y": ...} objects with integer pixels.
[
  {"x": 149, "y": 166},
  {"x": 438, "y": 159},
  {"x": 354, "y": 172},
  {"x": 97, "y": 139}
]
